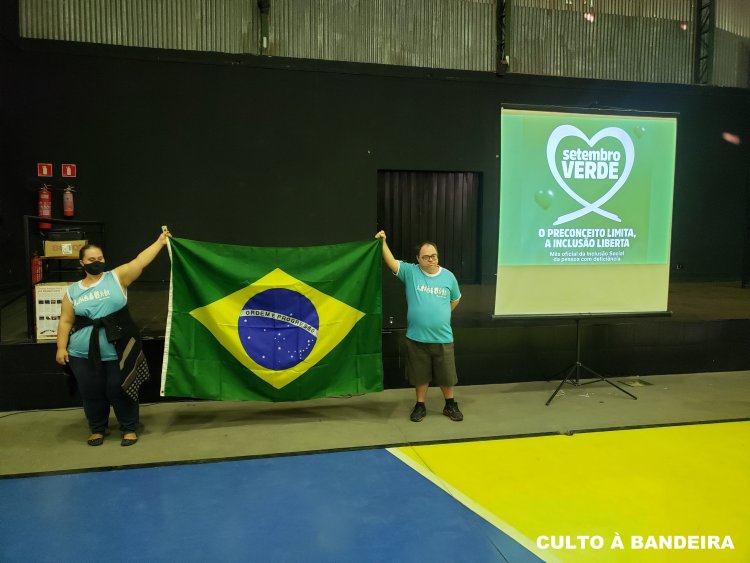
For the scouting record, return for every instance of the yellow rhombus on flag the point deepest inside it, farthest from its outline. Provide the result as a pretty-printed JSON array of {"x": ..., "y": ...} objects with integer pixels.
[{"x": 336, "y": 320}]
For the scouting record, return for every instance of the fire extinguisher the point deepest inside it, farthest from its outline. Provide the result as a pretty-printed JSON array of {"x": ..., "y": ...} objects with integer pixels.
[
  {"x": 68, "y": 202},
  {"x": 45, "y": 206},
  {"x": 36, "y": 269}
]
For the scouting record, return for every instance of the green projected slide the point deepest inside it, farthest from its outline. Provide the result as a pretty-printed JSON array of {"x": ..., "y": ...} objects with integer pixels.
[{"x": 585, "y": 212}]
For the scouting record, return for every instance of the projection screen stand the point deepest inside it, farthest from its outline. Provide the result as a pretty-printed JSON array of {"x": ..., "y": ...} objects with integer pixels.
[{"x": 574, "y": 372}]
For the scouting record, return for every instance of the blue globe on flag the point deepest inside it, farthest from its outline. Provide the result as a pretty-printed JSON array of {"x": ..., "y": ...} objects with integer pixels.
[{"x": 278, "y": 328}]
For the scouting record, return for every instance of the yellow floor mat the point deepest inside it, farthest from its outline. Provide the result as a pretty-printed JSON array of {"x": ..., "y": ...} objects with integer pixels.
[{"x": 667, "y": 494}]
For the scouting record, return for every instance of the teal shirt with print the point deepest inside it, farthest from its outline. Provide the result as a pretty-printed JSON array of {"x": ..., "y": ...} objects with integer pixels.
[
  {"x": 429, "y": 298},
  {"x": 101, "y": 299}
]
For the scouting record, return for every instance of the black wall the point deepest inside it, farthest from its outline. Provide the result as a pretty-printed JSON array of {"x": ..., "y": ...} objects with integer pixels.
[{"x": 262, "y": 151}]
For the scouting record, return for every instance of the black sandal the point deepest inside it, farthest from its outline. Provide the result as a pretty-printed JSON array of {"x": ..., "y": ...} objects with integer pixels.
[
  {"x": 96, "y": 441},
  {"x": 128, "y": 441}
]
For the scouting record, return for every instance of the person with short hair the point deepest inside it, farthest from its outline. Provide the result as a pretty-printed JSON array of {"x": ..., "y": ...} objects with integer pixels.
[
  {"x": 431, "y": 295},
  {"x": 98, "y": 341}
]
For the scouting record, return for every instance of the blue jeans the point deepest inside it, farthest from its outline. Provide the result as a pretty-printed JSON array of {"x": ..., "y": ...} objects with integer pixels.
[{"x": 101, "y": 390}]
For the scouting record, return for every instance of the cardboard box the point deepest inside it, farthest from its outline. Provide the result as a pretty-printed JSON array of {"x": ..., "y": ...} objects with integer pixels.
[
  {"x": 63, "y": 248},
  {"x": 48, "y": 304}
]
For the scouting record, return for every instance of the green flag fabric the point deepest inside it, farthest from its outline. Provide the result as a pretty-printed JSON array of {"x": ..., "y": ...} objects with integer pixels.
[{"x": 273, "y": 324}]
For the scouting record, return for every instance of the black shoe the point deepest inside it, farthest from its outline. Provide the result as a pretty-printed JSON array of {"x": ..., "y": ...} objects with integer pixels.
[
  {"x": 97, "y": 439},
  {"x": 452, "y": 412},
  {"x": 418, "y": 413},
  {"x": 125, "y": 442}
]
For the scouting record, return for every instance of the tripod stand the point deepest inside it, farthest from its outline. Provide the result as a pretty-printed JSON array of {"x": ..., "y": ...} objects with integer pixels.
[{"x": 578, "y": 366}]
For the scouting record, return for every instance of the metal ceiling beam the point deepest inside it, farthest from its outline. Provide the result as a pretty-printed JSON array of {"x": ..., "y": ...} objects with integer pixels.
[
  {"x": 501, "y": 59},
  {"x": 705, "y": 24}
]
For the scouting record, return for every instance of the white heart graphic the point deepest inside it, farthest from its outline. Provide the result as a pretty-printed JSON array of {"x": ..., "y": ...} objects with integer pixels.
[{"x": 570, "y": 131}]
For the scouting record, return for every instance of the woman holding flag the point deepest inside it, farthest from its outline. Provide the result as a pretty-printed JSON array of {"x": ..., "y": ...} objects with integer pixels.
[{"x": 98, "y": 341}]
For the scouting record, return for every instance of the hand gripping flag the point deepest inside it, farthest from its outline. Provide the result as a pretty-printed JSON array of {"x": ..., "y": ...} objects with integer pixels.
[{"x": 273, "y": 324}]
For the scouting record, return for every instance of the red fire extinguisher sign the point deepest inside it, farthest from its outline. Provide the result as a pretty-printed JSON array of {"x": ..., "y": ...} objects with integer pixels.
[
  {"x": 43, "y": 169},
  {"x": 68, "y": 170}
]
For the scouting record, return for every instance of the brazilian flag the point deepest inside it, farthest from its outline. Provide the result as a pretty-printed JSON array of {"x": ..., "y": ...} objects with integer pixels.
[{"x": 273, "y": 324}]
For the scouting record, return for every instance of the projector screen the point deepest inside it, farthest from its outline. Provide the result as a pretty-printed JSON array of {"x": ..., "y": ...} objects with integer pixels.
[{"x": 585, "y": 212}]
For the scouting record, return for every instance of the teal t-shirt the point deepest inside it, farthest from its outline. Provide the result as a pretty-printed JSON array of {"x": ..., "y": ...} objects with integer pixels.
[
  {"x": 429, "y": 300},
  {"x": 101, "y": 299}
]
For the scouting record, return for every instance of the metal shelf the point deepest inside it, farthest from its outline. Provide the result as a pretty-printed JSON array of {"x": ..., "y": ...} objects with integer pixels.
[{"x": 32, "y": 221}]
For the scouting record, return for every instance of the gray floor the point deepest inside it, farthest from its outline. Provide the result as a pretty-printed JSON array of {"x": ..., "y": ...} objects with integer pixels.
[{"x": 44, "y": 441}]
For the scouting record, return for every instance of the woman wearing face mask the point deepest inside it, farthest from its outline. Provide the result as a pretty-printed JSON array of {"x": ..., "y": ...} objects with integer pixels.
[{"x": 96, "y": 335}]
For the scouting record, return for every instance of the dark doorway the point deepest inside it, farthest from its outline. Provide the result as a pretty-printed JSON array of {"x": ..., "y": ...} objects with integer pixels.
[{"x": 438, "y": 206}]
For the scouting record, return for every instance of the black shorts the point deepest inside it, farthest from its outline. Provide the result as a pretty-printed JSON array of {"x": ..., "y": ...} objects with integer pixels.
[{"x": 430, "y": 362}]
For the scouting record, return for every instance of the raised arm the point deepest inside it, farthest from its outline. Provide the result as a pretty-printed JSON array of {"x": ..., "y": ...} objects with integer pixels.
[
  {"x": 390, "y": 261},
  {"x": 128, "y": 273}
]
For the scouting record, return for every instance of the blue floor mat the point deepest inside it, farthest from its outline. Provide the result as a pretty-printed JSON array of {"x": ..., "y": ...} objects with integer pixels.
[{"x": 346, "y": 506}]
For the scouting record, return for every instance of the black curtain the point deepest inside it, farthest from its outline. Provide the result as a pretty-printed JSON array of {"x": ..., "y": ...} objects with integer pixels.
[
  {"x": 746, "y": 253},
  {"x": 439, "y": 206}
]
